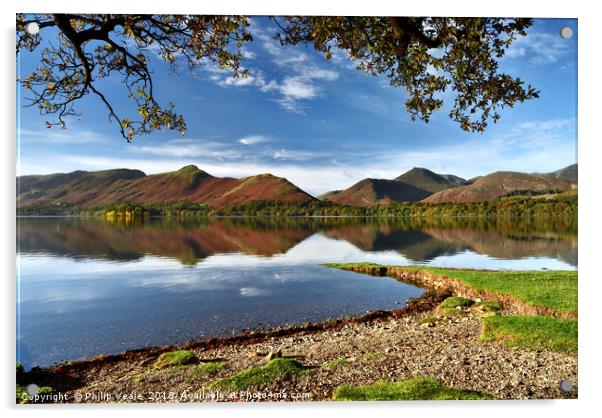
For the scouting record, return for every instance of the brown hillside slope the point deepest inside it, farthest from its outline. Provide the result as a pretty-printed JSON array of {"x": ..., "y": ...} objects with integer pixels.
[
  {"x": 425, "y": 179},
  {"x": 370, "y": 192},
  {"x": 98, "y": 189},
  {"x": 496, "y": 185}
]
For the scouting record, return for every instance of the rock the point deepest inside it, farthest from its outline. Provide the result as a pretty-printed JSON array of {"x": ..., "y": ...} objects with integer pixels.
[{"x": 273, "y": 354}]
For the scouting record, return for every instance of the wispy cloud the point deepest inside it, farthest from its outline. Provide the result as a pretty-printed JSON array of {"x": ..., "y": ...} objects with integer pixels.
[
  {"x": 254, "y": 139},
  {"x": 539, "y": 48},
  {"x": 298, "y": 80},
  {"x": 296, "y": 155},
  {"x": 63, "y": 136},
  {"x": 180, "y": 148}
]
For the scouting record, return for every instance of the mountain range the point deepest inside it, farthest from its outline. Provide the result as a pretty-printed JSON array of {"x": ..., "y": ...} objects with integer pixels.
[{"x": 90, "y": 190}]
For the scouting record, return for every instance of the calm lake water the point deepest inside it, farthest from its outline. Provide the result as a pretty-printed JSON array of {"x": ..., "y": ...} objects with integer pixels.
[{"x": 86, "y": 286}]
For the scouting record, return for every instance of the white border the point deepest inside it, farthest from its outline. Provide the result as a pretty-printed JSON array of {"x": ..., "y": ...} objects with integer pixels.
[{"x": 590, "y": 94}]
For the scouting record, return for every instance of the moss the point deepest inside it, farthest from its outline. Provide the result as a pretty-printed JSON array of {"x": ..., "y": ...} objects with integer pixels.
[
  {"x": 374, "y": 355},
  {"x": 279, "y": 367},
  {"x": 174, "y": 358},
  {"x": 486, "y": 308},
  {"x": 427, "y": 320},
  {"x": 421, "y": 388},
  {"x": 23, "y": 397},
  {"x": 139, "y": 378},
  {"x": 454, "y": 306},
  {"x": 532, "y": 332},
  {"x": 205, "y": 369},
  {"x": 455, "y": 302},
  {"x": 336, "y": 363}
]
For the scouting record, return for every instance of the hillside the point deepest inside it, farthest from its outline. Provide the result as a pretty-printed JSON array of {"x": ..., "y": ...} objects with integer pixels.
[
  {"x": 328, "y": 195},
  {"x": 370, "y": 192},
  {"x": 499, "y": 184},
  {"x": 424, "y": 179},
  {"x": 411, "y": 186},
  {"x": 569, "y": 173},
  {"x": 89, "y": 190}
]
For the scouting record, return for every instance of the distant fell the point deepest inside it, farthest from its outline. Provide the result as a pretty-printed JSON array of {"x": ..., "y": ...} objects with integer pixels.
[
  {"x": 89, "y": 190},
  {"x": 369, "y": 192},
  {"x": 429, "y": 181},
  {"x": 569, "y": 173},
  {"x": 498, "y": 184}
]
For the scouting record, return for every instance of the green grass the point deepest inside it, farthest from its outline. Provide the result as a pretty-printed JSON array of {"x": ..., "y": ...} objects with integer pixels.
[
  {"x": 336, "y": 363},
  {"x": 532, "y": 332},
  {"x": 23, "y": 397},
  {"x": 348, "y": 266},
  {"x": 454, "y": 306},
  {"x": 555, "y": 290},
  {"x": 208, "y": 368},
  {"x": 421, "y": 388},
  {"x": 254, "y": 376},
  {"x": 456, "y": 301},
  {"x": 487, "y": 308},
  {"x": 174, "y": 358},
  {"x": 427, "y": 320}
]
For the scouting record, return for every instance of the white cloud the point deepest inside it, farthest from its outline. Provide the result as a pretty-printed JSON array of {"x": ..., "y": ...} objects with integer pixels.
[
  {"x": 237, "y": 81},
  {"x": 254, "y": 139},
  {"x": 295, "y": 88},
  {"x": 299, "y": 83},
  {"x": 57, "y": 135},
  {"x": 539, "y": 48},
  {"x": 248, "y": 54},
  {"x": 179, "y": 148},
  {"x": 284, "y": 154}
]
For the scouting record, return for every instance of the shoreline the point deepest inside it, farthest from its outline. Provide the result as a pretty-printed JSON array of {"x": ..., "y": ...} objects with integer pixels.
[{"x": 415, "y": 323}]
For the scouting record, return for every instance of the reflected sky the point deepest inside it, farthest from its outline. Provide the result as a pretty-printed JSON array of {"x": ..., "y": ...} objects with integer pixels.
[{"x": 87, "y": 287}]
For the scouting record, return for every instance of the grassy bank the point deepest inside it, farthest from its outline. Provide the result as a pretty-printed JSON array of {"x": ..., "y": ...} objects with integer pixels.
[
  {"x": 556, "y": 290},
  {"x": 553, "y": 292},
  {"x": 532, "y": 332},
  {"x": 420, "y": 388}
]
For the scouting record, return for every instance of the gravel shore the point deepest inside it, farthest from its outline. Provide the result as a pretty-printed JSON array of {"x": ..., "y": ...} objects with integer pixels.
[{"x": 394, "y": 348}]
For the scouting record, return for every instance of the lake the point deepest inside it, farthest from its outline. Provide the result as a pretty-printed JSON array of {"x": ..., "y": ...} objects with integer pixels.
[{"x": 87, "y": 286}]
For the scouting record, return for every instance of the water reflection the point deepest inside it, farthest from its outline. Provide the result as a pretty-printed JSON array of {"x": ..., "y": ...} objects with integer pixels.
[
  {"x": 87, "y": 286},
  {"x": 191, "y": 242}
]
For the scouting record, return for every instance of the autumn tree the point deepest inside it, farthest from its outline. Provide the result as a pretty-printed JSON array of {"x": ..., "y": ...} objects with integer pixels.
[{"x": 425, "y": 56}]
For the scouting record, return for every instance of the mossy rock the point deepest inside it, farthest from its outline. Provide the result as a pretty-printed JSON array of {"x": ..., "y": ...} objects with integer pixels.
[
  {"x": 454, "y": 306},
  {"x": 428, "y": 320},
  {"x": 279, "y": 367},
  {"x": 456, "y": 301},
  {"x": 174, "y": 359},
  {"x": 209, "y": 368},
  {"x": 336, "y": 363},
  {"x": 486, "y": 308}
]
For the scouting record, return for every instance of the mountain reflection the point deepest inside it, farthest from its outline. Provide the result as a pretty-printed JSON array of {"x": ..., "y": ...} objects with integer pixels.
[{"x": 191, "y": 241}]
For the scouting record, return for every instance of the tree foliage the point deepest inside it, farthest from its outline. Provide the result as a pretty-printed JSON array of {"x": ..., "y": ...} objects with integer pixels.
[
  {"x": 93, "y": 47},
  {"x": 427, "y": 56}
]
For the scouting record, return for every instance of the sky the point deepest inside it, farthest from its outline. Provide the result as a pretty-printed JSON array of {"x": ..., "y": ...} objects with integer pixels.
[{"x": 321, "y": 124}]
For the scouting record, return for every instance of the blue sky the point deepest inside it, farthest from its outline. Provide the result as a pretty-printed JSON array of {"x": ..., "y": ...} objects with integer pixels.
[{"x": 321, "y": 124}]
